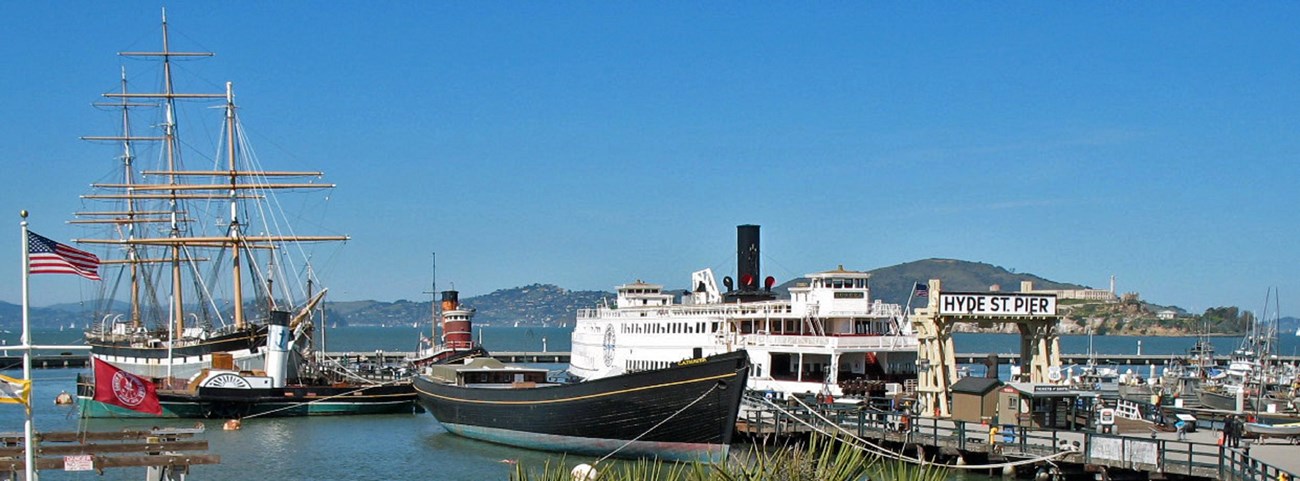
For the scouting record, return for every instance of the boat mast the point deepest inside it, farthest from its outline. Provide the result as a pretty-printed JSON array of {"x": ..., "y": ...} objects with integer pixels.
[
  {"x": 169, "y": 132},
  {"x": 130, "y": 217},
  {"x": 234, "y": 204},
  {"x": 128, "y": 177},
  {"x": 175, "y": 190},
  {"x": 434, "y": 342}
]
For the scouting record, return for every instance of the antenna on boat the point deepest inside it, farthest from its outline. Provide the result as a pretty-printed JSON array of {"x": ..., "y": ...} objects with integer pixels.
[{"x": 433, "y": 308}]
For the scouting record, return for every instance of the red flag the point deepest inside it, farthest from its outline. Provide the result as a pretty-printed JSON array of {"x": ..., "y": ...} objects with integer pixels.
[{"x": 120, "y": 388}]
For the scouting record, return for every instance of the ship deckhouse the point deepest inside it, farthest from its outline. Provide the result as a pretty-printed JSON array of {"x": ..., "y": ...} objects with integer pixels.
[
  {"x": 640, "y": 294},
  {"x": 826, "y": 333}
]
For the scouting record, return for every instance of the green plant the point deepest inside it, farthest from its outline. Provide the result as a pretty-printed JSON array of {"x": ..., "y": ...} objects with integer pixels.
[{"x": 824, "y": 458}]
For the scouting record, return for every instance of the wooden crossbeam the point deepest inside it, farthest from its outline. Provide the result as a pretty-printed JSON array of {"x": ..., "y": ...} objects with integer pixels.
[
  {"x": 101, "y": 462},
  {"x": 97, "y": 448},
  {"x": 71, "y": 437}
]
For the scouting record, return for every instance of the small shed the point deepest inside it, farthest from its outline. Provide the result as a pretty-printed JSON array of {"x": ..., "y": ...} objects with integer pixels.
[
  {"x": 975, "y": 399},
  {"x": 1043, "y": 406}
]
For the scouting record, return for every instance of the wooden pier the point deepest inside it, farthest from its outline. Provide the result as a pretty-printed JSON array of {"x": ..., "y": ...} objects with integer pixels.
[
  {"x": 1142, "y": 455},
  {"x": 161, "y": 450},
  {"x": 59, "y": 361}
]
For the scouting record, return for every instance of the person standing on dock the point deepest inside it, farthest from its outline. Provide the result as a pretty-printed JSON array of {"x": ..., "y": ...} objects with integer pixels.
[{"x": 1232, "y": 430}]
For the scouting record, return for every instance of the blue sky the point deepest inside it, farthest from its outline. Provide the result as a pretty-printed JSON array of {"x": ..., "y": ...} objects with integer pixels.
[{"x": 587, "y": 144}]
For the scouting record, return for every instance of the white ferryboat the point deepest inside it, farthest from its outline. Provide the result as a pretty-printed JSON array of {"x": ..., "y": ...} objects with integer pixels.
[{"x": 827, "y": 335}]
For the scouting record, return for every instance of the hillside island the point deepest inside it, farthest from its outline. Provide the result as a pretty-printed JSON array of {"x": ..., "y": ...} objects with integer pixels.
[{"x": 1083, "y": 309}]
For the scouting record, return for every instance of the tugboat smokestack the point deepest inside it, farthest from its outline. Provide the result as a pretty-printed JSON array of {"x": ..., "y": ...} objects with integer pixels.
[{"x": 456, "y": 328}]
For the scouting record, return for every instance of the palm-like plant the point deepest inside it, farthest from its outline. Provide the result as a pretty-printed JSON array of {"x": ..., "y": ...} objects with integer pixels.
[{"x": 824, "y": 458}]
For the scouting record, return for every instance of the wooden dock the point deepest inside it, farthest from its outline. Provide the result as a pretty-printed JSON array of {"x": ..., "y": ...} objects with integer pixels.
[
  {"x": 166, "y": 449},
  {"x": 1141, "y": 455}
]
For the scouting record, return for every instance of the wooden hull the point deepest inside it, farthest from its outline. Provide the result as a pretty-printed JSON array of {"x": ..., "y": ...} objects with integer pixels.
[
  {"x": 684, "y": 412},
  {"x": 247, "y": 348},
  {"x": 289, "y": 401}
]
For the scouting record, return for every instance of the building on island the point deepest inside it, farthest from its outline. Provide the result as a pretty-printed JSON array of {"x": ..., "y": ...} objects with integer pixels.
[{"x": 1101, "y": 295}]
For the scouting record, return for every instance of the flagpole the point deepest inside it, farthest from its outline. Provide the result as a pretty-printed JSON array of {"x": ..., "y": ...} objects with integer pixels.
[
  {"x": 28, "y": 452},
  {"x": 907, "y": 310}
]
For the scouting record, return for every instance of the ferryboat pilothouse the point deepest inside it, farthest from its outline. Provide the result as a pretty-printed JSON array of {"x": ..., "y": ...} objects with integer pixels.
[{"x": 829, "y": 336}]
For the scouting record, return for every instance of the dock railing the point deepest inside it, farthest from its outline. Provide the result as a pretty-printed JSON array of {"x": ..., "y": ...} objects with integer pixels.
[{"x": 871, "y": 420}]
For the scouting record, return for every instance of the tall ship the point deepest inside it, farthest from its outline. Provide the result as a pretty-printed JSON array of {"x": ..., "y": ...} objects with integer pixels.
[
  {"x": 198, "y": 245},
  {"x": 828, "y": 333},
  {"x": 311, "y": 387}
]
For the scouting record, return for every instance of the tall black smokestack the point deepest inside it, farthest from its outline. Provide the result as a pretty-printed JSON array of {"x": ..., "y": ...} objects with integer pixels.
[{"x": 747, "y": 270}]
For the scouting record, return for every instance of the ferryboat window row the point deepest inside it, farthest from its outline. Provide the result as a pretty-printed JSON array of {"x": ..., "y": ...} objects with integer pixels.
[
  {"x": 633, "y": 366},
  {"x": 665, "y": 327},
  {"x": 837, "y": 283}
]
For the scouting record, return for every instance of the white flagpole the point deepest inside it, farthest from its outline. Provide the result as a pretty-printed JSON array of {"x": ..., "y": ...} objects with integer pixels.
[
  {"x": 907, "y": 311},
  {"x": 28, "y": 451}
]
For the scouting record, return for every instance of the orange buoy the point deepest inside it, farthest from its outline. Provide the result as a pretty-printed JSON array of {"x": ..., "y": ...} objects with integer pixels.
[{"x": 232, "y": 425}]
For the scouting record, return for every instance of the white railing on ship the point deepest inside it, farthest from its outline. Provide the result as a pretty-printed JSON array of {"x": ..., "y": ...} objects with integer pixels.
[
  {"x": 884, "y": 343},
  {"x": 731, "y": 311}
]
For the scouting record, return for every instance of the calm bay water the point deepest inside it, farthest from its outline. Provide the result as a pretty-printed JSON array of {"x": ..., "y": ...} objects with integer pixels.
[{"x": 406, "y": 446}]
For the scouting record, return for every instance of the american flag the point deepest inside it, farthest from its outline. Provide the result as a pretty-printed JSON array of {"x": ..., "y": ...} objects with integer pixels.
[
  {"x": 922, "y": 290},
  {"x": 48, "y": 257}
]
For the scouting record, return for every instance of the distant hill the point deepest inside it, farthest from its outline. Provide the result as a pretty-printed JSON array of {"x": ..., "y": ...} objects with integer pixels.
[
  {"x": 533, "y": 305},
  {"x": 545, "y": 304},
  {"x": 11, "y": 316},
  {"x": 895, "y": 283}
]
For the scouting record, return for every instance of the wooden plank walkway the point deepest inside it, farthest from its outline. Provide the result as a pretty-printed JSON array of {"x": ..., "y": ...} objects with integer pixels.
[{"x": 1154, "y": 453}]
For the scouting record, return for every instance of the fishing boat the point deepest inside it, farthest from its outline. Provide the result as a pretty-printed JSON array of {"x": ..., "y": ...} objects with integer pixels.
[
  {"x": 1290, "y": 432},
  {"x": 1254, "y": 380},
  {"x": 197, "y": 249},
  {"x": 684, "y": 411},
  {"x": 222, "y": 392},
  {"x": 827, "y": 333}
]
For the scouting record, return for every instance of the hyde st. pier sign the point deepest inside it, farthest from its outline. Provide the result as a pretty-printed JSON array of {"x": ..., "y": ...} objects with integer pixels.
[{"x": 996, "y": 304}]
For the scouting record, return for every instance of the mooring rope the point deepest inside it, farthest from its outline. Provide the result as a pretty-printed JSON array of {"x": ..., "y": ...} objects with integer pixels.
[
  {"x": 886, "y": 452},
  {"x": 660, "y": 423},
  {"x": 313, "y": 401}
]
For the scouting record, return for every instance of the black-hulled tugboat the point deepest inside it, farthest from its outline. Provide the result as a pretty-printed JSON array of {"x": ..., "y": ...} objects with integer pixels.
[{"x": 683, "y": 412}]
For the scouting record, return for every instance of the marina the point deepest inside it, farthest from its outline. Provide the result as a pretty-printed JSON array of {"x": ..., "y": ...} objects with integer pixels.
[
  {"x": 563, "y": 357},
  {"x": 415, "y": 440},
  {"x": 197, "y": 336},
  {"x": 1066, "y": 453}
]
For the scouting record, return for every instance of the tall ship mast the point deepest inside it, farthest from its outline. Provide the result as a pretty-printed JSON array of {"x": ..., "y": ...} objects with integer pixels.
[{"x": 199, "y": 253}]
